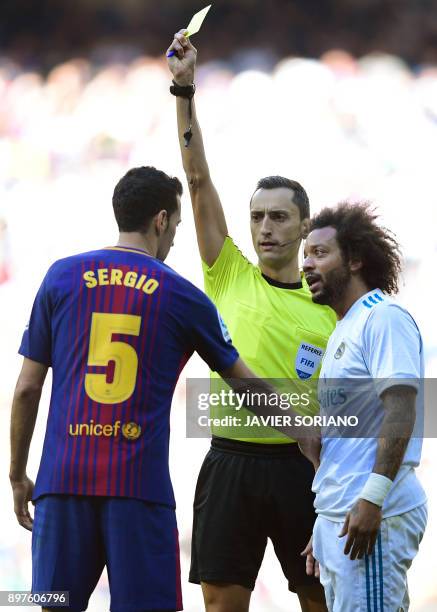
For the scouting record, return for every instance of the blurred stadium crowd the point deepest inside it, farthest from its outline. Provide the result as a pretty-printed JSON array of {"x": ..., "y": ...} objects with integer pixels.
[
  {"x": 345, "y": 128},
  {"x": 44, "y": 32}
]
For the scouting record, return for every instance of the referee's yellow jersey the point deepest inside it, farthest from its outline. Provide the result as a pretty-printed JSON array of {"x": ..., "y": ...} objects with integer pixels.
[{"x": 277, "y": 329}]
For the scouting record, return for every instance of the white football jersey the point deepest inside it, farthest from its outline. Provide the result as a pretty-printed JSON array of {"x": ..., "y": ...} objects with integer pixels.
[{"x": 376, "y": 340}]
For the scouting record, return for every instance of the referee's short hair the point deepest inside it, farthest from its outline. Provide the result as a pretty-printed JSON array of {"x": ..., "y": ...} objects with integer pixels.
[
  {"x": 361, "y": 238},
  {"x": 300, "y": 197},
  {"x": 141, "y": 194}
]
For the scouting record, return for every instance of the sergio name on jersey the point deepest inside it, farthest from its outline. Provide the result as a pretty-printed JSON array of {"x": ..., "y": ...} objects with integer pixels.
[{"x": 117, "y": 326}]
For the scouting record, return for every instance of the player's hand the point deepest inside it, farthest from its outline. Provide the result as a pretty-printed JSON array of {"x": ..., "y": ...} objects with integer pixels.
[
  {"x": 22, "y": 491},
  {"x": 311, "y": 447},
  {"x": 183, "y": 62},
  {"x": 312, "y": 565},
  {"x": 361, "y": 527}
]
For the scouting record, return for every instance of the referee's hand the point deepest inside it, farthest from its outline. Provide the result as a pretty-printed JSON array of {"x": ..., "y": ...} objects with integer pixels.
[
  {"x": 312, "y": 565},
  {"x": 182, "y": 64}
]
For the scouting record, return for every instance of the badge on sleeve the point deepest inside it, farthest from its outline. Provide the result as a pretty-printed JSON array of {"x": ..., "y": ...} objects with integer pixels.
[
  {"x": 225, "y": 331},
  {"x": 307, "y": 359}
]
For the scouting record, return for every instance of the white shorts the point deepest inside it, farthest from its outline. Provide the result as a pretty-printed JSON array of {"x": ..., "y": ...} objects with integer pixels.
[{"x": 375, "y": 583}]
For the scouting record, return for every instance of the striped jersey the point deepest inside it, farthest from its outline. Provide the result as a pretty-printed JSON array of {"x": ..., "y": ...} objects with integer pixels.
[{"x": 117, "y": 327}]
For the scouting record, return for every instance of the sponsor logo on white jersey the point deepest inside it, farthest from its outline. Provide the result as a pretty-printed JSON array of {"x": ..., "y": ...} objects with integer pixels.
[{"x": 340, "y": 351}]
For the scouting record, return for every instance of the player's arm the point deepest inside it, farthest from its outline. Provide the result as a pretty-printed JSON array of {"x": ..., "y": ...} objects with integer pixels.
[
  {"x": 209, "y": 217},
  {"x": 209, "y": 336},
  {"x": 24, "y": 411},
  {"x": 398, "y": 424},
  {"x": 363, "y": 521},
  {"x": 244, "y": 381}
]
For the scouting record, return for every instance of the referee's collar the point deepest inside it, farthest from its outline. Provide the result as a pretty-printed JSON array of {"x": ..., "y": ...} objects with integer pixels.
[{"x": 275, "y": 283}]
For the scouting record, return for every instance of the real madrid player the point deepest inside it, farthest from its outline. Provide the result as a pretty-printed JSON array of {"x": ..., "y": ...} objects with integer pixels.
[
  {"x": 117, "y": 326},
  {"x": 254, "y": 488},
  {"x": 371, "y": 507}
]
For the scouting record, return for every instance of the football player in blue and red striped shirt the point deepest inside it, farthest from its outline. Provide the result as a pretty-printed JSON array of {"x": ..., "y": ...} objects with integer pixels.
[{"x": 116, "y": 326}]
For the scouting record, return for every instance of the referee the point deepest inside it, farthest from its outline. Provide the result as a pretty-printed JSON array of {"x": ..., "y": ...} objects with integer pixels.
[{"x": 253, "y": 488}]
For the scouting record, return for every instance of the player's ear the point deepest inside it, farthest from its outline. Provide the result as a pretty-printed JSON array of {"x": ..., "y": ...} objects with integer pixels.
[
  {"x": 355, "y": 265},
  {"x": 304, "y": 228},
  {"x": 161, "y": 222}
]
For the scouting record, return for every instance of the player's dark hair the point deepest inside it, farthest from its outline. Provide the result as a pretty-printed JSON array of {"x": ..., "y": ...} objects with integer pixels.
[
  {"x": 360, "y": 238},
  {"x": 300, "y": 197},
  {"x": 141, "y": 194}
]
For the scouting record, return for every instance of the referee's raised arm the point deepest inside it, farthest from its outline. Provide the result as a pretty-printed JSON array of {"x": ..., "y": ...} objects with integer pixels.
[{"x": 209, "y": 217}]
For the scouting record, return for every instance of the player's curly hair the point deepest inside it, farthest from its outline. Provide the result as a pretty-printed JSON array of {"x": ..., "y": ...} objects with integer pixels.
[
  {"x": 141, "y": 194},
  {"x": 361, "y": 238}
]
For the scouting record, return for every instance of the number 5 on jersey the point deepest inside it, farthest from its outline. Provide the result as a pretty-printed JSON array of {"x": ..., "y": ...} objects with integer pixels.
[{"x": 103, "y": 349}]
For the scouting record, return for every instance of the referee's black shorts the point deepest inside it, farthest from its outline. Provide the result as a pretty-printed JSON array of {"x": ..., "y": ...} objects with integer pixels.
[{"x": 248, "y": 492}]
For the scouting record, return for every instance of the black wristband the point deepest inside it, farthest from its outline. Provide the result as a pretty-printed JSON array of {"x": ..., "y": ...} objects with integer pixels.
[{"x": 183, "y": 91}]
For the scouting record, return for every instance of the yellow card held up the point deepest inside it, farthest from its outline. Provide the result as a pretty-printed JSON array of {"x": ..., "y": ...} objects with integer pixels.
[{"x": 196, "y": 22}]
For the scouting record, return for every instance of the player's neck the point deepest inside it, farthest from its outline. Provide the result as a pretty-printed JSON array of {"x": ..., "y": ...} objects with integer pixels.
[
  {"x": 136, "y": 240},
  {"x": 288, "y": 274},
  {"x": 356, "y": 289}
]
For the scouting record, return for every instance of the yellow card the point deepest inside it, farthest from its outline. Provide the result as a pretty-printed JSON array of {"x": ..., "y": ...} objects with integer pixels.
[{"x": 196, "y": 22}]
